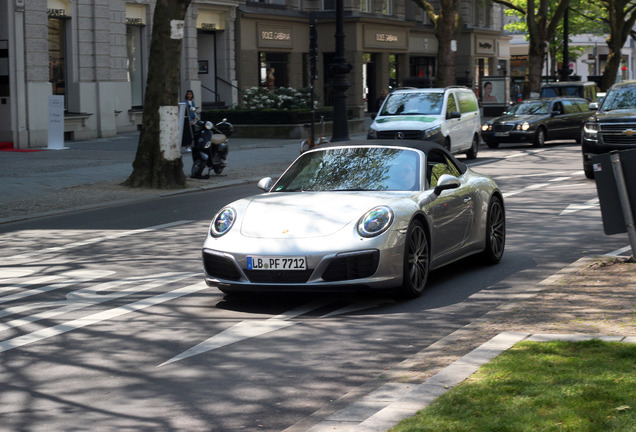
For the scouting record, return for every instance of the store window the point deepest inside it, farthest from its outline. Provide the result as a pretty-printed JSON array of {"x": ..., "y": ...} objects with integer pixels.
[
  {"x": 387, "y": 7},
  {"x": 273, "y": 69},
  {"x": 4, "y": 68},
  {"x": 366, "y": 5},
  {"x": 135, "y": 64},
  {"x": 57, "y": 55},
  {"x": 422, "y": 67},
  {"x": 394, "y": 71}
]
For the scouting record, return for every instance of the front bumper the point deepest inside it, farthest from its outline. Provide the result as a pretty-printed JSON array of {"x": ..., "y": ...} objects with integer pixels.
[
  {"x": 374, "y": 264},
  {"x": 513, "y": 136}
]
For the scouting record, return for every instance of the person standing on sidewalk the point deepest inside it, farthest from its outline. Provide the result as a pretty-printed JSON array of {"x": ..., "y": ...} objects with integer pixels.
[{"x": 189, "y": 121}]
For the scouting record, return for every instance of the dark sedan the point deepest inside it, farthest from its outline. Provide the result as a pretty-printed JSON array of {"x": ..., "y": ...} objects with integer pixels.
[{"x": 538, "y": 120}]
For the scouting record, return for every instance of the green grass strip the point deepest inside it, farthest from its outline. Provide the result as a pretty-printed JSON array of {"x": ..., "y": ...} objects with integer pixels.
[{"x": 585, "y": 386}]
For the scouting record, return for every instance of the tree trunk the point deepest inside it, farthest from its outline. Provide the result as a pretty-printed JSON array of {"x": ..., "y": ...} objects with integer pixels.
[
  {"x": 622, "y": 17},
  {"x": 158, "y": 161},
  {"x": 445, "y": 32},
  {"x": 536, "y": 58}
]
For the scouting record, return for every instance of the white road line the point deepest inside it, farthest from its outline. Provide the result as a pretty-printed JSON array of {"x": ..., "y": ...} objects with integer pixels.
[
  {"x": 524, "y": 153},
  {"x": 95, "y": 318},
  {"x": 87, "y": 297},
  {"x": 618, "y": 252},
  {"x": 94, "y": 240},
  {"x": 71, "y": 278},
  {"x": 249, "y": 329},
  {"x": 516, "y": 176},
  {"x": 246, "y": 330},
  {"x": 525, "y": 189},
  {"x": 573, "y": 208}
]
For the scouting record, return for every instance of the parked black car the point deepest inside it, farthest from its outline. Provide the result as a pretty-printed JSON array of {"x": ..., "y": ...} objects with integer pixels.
[
  {"x": 538, "y": 120},
  {"x": 612, "y": 126}
]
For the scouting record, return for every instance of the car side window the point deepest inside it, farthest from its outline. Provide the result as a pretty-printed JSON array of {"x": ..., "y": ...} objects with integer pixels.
[
  {"x": 569, "y": 107},
  {"x": 451, "y": 105},
  {"x": 467, "y": 102},
  {"x": 557, "y": 107},
  {"x": 439, "y": 164}
]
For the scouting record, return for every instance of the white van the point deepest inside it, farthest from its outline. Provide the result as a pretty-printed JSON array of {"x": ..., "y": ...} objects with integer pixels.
[{"x": 449, "y": 116}]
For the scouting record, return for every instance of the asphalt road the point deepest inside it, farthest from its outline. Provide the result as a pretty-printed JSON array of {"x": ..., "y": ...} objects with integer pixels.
[{"x": 106, "y": 323}]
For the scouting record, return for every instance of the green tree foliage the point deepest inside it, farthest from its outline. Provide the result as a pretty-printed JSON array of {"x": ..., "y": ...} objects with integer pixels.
[
  {"x": 542, "y": 18},
  {"x": 585, "y": 17}
]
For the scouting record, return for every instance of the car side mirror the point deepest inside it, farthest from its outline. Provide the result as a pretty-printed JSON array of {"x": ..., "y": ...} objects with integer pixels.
[
  {"x": 593, "y": 106},
  {"x": 373, "y": 116},
  {"x": 446, "y": 181},
  {"x": 265, "y": 184},
  {"x": 455, "y": 114}
]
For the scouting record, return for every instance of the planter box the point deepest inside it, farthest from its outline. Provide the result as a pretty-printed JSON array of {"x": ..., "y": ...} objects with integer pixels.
[{"x": 280, "y": 124}]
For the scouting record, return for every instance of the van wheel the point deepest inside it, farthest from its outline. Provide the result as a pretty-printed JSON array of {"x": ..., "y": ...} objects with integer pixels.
[{"x": 474, "y": 148}]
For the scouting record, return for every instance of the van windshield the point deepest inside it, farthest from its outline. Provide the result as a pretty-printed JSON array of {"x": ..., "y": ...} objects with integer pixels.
[{"x": 413, "y": 103}]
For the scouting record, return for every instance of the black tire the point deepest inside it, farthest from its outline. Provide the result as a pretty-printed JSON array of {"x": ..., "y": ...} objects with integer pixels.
[
  {"x": 492, "y": 144},
  {"x": 587, "y": 168},
  {"x": 539, "y": 137},
  {"x": 197, "y": 168},
  {"x": 474, "y": 148},
  {"x": 416, "y": 262},
  {"x": 495, "y": 231},
  {"x": 579, "y": 138}
]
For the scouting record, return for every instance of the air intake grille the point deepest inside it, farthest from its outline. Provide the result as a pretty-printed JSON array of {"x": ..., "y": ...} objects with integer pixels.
[{"x": 352, "y": 266}]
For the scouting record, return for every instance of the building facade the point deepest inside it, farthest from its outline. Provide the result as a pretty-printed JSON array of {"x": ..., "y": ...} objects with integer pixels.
[{"x": 94, "y": 54}]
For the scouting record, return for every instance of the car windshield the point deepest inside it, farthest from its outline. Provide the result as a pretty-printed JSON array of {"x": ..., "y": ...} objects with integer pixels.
[
  {"x": 538, "y": 107},
  {"x": 413, "y": 103},
  {"x": 353, "y": 169},
  {"x": 620, "y": 98}
]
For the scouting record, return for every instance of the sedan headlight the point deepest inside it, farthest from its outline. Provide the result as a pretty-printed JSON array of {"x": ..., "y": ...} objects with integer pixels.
[
  {"x": 486, "y": 127},
  {"x": 223, "y": 222},
  {"x": 525, "y": 126},
  {"x": 375, "y": 221}
]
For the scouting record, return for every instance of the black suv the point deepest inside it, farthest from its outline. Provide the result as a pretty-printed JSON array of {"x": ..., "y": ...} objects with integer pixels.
[{"x": 612, "y": 127}]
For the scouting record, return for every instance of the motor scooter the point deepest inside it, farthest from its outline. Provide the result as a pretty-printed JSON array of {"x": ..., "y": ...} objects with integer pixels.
[{"x": 210, "y": 147}]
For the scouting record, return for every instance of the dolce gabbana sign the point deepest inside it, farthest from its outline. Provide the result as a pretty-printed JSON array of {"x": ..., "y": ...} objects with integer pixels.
[
  {"x": 268, "y": 36},
  {"x": 375, "y": 37}
]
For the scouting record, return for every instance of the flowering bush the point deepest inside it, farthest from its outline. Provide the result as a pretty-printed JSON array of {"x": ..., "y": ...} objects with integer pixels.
[{"x": 259, "y": 98}]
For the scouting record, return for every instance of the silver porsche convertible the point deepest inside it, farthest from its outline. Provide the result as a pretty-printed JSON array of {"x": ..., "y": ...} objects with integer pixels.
[{"x": 353, "y": 215}]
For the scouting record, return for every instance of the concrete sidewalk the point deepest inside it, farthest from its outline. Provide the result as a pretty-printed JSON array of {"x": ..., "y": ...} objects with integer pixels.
[{"x": 33, "y": 174}]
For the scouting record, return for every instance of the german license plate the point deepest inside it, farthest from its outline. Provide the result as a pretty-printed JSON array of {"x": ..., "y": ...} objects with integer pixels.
[
  {"x": 276, "y": 263},
  {"x": 503, "y": 134}
]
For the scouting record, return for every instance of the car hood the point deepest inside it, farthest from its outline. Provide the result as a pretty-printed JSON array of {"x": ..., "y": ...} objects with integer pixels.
[
  {"x": 296, "y": 215},
  {"x": 406, "y": 122},
  {"x": 519, "y": 118},
  {"x": 626, "y": 115}
]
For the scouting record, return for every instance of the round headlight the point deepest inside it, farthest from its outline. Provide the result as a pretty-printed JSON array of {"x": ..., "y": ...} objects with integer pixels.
[
  {"x": 485, "y": 127},
  {"x": 375, "y": 221},
  {"x": 223, "y": 221},
  {"x": 525, "y": 126}
]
